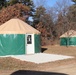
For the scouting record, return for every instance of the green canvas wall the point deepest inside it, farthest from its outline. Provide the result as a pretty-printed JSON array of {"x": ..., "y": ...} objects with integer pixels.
[
  {"x": 37, "y": 43},
  {"x": 68, "y": 41},
  {"x": 12, "y": 44}
]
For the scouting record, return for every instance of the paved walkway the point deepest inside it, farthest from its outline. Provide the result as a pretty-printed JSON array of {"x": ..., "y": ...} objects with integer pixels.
[{"x": 41, "y": 57}]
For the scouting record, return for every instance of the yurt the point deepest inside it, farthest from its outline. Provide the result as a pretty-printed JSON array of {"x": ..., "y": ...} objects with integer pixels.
[
  {"x": 18, "y": 38},
  {"x": 68, "y": 38}
]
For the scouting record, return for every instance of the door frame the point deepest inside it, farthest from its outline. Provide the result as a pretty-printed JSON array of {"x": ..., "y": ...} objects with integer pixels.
[{"x": 31, "y": 45}]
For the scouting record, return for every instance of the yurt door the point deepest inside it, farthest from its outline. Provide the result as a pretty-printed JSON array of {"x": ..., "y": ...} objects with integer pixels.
[{"x": 29, "y": 43}]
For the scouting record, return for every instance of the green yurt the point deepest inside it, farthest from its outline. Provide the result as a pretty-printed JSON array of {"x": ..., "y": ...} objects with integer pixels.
[
  {"x": 68, "y": 38},
  {"x": 18, "y": 38}
]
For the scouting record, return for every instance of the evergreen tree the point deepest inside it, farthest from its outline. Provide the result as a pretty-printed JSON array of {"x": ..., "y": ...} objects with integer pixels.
[
  {"x": 2, "y": 3},
  {"x": 74, "y": 1}
]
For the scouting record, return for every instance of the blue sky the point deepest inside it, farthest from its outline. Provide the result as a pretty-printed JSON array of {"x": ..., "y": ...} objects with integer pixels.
[
  {"x": 51, "y": 2},
  {"x": 48, "y": 2}
]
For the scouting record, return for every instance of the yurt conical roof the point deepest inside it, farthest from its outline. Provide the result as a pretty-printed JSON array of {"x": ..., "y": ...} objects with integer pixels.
[
  {"x": 70, "y": 33},
  {"x": 17, "y": 26}
]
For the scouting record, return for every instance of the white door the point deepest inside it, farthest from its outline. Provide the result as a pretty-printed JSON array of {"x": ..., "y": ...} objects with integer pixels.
[{"x": 29, "y": 43}]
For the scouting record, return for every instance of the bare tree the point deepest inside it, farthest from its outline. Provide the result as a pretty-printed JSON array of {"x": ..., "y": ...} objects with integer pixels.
[
  {"x": 60, "y": 19},
  {"x": 62, "y": 6},
  {"x": 40, "y": 2}
]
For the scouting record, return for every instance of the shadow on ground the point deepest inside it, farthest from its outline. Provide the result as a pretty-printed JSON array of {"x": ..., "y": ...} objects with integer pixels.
[
  {"x": 43, "y": 49},
  {"x": 28, "y": 72}
]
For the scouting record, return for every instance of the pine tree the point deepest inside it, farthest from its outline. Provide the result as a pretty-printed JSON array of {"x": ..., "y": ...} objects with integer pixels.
[
  {"x": 2, "y": 3},
  {"x": 74, "y": 1}
]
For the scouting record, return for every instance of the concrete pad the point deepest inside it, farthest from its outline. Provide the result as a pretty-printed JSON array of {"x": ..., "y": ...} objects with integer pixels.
[{"x": 41, "y": 57}]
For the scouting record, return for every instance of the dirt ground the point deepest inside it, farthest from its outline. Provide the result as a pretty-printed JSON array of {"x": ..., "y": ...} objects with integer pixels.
[{"x": 11, "y": 66}]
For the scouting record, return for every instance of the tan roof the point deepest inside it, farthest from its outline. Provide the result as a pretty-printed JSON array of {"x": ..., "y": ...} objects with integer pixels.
[
  {"x": 17, "y": 26},
  {"x": 70, "y": 33}
]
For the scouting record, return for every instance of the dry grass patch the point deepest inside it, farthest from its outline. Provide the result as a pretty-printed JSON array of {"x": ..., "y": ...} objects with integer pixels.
[{"x": 61, "y": 50}]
